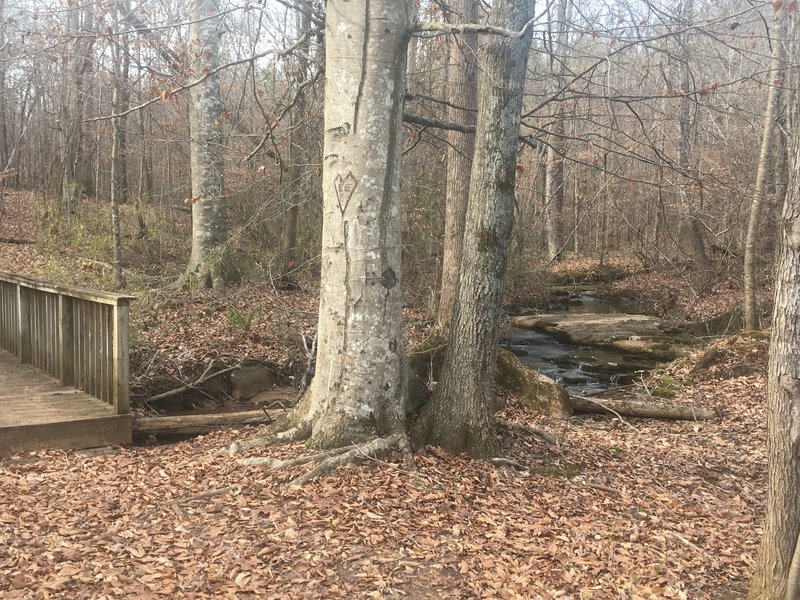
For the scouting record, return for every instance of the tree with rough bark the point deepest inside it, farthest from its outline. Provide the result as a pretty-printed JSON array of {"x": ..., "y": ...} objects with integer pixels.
[
  {"x": 554, "y": 165},
  {"x": 778, "y": 566},
  {"x": 119, "y": 103},
  {"x": 694, "y": 229},
  {"x": 462, "y": 92},
  {"x": 459, "y": 416},
  {"x": 209, "y": 265}
]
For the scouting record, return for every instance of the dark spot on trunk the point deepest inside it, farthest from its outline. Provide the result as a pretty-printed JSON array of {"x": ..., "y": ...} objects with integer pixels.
[
  {"x": 393, "y": 346},
  {"x": 388, "y": 279},
  {"x": 487, "y": 239},
  {"x": 386, "y": 387}
]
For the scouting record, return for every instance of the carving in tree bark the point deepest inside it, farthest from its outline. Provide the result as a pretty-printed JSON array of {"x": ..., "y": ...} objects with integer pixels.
[
  {"x": 462, "y": 92},
  {"x": 359, "y": 387},
  {"x": 209, "y": 265},
  {"x": 458, "y": 417},
  {"x": 782, "y": 526}
]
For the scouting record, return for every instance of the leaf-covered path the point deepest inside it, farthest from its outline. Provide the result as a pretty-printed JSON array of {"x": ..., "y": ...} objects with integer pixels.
[{"x": 618, "y": 510}]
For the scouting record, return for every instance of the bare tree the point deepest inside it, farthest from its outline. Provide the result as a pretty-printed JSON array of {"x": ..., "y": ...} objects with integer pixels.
[
  {"x": 459, "y": 416},
  {"x": 462, "y": 93},
  {"x": 209, "y": 264},
  {"x": 359, "y": 387},
  {"x": 779, "y": 545},
  {"x": 751, "y": 320}
]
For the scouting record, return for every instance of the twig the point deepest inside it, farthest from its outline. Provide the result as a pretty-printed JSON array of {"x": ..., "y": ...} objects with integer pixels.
[
  {"x": 507, "y": 462},
  {"x": 175, "y": 504},
  {"x": 542, "y": 435},
  {"x": 611, "y": 410},
  {"x": 191, "y": 386}
]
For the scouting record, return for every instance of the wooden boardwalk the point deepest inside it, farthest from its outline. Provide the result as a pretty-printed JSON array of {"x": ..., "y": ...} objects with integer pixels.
[{"x": 37, "y": 412}]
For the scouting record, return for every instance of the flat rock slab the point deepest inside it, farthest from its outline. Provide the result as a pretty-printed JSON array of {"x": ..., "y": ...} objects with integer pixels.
[{"x": 631, "y": 333}]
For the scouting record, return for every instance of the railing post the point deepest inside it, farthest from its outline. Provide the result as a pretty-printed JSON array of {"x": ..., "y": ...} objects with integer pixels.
[
  {"x": 120, "y": 359},
  {"x": 24, "y": 320},
  {"x": 66, "y": 366}
]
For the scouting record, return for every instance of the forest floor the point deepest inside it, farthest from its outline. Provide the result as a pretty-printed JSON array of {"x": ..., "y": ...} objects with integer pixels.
[{"x": 628, "y": 509}]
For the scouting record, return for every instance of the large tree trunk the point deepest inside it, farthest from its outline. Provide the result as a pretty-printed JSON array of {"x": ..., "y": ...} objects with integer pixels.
[
  {"x": 782, "y": 526},
  {"x": 209, "y": 265},
  {"x": 459, "y": 416},
  {"x": 462, "y": 92},
  {"x": 359, "y": 386},
  {"x": 750, "y": 249}
]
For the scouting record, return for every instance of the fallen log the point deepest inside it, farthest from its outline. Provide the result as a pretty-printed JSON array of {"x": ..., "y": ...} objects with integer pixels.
[
  {"x": 651, "y": 409},
  {"x": 199, "y": 424}
]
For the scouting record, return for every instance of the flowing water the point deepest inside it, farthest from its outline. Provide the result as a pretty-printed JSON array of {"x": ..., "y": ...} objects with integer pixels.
[{"x": 581, "y": 369}]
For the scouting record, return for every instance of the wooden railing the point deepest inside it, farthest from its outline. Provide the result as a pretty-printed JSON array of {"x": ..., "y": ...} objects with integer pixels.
[{"x": 77, "y": 335}]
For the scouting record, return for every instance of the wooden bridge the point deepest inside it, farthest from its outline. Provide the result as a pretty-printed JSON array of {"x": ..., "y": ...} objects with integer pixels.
[{"x": 63, "y": 366}]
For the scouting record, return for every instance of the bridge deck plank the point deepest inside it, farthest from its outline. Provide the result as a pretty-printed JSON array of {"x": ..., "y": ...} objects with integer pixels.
[{"x": 37, "y": 413}]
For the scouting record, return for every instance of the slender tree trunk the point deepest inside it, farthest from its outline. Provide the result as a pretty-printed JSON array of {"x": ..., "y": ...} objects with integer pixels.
[
  {"x": 554, "y": 209},
  {"x": 459, "y": 416},
  {"x": 73, "y": 103},
  {"x": 462, "y": 92},
  {"x": 694, "y": 230},
  {"x": 782, "y": 525},
  {"x": 209, "y": 265},
  {"x": 119, "y": 103},
  {"x": 751, "y": 320},
  {"x": 359, "y": 387},
  {"x": 298, "y": 156}
]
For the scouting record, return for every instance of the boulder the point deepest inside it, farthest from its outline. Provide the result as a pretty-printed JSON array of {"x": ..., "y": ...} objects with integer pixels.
[
  {"x": 534, "y": 391},
  {"x": 250, "y": 379}
]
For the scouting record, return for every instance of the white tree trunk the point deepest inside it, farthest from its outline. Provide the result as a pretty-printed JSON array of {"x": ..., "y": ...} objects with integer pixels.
[
  {"x": 208, "y": 263},
  {"x": 359, "y": 386}
]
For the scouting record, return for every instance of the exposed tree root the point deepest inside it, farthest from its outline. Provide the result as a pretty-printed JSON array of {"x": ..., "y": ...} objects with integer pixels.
[
  {"x": 542, "y": 435},
  {"x": 330, "y": 460},
  {"x": 376, "y": 448},
  {"x": 280, "y": 432}
]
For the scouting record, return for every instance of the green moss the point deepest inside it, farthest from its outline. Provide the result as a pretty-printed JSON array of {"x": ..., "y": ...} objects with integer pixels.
[
  {"x": 756, "y": 334},
  {"x": 667, "y": 387},
  {"x": 567, "y": 471}
]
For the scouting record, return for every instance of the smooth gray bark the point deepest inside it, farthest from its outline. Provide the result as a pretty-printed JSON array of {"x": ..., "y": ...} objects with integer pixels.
[
  {"x": 209, "y": 265},
  {"x": 359, "y": 386},
  {"x": 459, "y": 417}
]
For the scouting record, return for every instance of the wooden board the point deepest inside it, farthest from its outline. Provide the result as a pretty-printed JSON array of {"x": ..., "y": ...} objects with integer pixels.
[{"x": 37, "y": 413}]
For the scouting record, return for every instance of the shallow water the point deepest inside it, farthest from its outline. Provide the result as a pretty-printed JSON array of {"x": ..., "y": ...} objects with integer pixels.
[{"x": 581, "y": 369}]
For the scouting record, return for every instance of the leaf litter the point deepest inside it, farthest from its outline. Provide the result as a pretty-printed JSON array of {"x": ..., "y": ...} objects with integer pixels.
[{"x": 615, "y": 510}]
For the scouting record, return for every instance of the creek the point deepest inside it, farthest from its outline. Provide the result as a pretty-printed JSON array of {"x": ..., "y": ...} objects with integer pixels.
[{"x": 580, "y": 369}]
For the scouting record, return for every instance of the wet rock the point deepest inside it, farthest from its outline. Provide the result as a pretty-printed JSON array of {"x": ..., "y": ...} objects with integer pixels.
[{"x": 640, "y": 334}]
